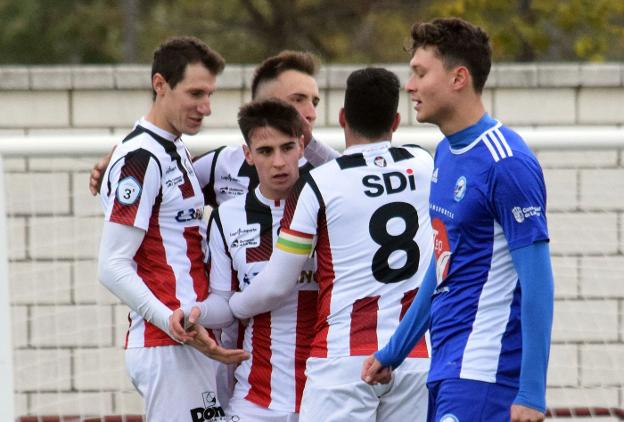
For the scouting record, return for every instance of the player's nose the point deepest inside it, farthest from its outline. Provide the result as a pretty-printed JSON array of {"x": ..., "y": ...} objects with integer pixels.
[{"x": 204, "y": 107}]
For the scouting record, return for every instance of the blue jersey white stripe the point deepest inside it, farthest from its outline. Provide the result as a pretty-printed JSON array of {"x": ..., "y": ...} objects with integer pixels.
[
  {"x": 483, "y": 348},
  {"x": 487, "y": 200}
]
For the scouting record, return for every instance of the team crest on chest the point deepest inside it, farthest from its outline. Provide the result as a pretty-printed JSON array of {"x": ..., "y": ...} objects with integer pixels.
[{"x": 460, "y": 189}]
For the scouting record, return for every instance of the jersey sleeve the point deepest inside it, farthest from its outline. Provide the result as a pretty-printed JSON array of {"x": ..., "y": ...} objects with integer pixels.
[
  {"x": 318, "y": 153},
  {"x": 221, "y": 274},
  {"x": 204, "y": 166},
  {"x": 136, "y": 182},
  {"x": 300, "y": 222},
  {"x": 518, "y": 198}
]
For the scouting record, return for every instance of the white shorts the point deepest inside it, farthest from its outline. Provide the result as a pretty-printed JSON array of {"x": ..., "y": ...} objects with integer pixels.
[
  {"x": 177, "y": 383},
  {"x": 241, "y": 410},
  {"x": 334, "y": 392}
]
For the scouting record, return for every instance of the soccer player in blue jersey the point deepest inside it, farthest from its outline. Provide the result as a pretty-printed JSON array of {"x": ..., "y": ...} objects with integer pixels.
[{"x": 488, "y": 294}]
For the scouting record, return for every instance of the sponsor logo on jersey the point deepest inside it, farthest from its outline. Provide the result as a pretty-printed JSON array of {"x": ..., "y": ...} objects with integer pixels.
[
  {"x": 128, "y": 191},
  {"x": 517, "y": 213},
  {"x": 391, "y": 182},
  {"x": 245, "y": 230},
  {"x": 449, "y": 417},
  {"x": 460, "y": 189},
  {"x": 442, "y": 210},
  {"x": 248, "y": 277},
  {"x": 380, "y": 162},
  {"x": 520, "y": 214},
  {"x": 212, "y": 410},
  {"x": 253, "y": 242},
  {"x": 434, "y": 176},
  {"x": 228, "y": 190},
  {"x": 229, "y": 178},
  {"x": 175, "y": 181},
  {"x": 441, "y": 249},
  {"x": 306, "y": 277},
  {"x": 170, "y": 169},
  {"x": 189, "y": 214}
]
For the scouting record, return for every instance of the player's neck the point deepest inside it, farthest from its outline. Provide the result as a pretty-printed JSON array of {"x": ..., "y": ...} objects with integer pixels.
[
  {"x": 354, "y": 138},
  {"x": 466, "y": 113},
  {"x": 158, "y": 119},
  {"x": 271, "y": 194}
]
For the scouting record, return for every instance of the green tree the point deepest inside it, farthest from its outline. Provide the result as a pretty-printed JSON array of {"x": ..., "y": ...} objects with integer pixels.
[
  {"x": 246, "y": 31},
  {"x": 545, "y": 30}
]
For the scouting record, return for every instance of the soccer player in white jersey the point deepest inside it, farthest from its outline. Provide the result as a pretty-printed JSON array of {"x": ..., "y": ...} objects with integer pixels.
[
  {"x": 489, "y": 292},
  {"x": 224, "y": 173},
  {"x": 151, "y": 253},
  {"x": 243, "y": 232},
  {"x": 366, "y": 216}
]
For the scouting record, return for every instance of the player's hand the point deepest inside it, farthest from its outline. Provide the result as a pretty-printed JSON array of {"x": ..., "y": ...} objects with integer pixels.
[
  {"x": 374, "y": 373},
  {"x": 97, "y": 172},
  {"x": 205, "y": 344},
  {"x": 525, "y": 414},
  {"x": 177, "y": 327}
]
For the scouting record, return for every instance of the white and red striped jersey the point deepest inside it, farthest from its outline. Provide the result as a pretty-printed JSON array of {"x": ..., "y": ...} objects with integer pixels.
[
  {"x": 242, "y": 234},
  {"x": 369, "y": 213},
  {"x": 150, "y": 184},
  {"x": 224, "y": 174}
]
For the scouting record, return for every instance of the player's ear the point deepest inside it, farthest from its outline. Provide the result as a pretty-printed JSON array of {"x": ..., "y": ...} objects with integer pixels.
[
  {"x": 248, "y": 156},
  {"x": 341, "y": 118},
  {"x": 301, "y": 145},
  {"x": 396, "y": 121},
  {"x": 460, "y": 77},
  {"x": 158, "y": 83}
]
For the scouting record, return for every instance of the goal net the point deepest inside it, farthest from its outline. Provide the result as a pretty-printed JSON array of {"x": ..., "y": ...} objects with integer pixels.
[{"x": 66, "y": 331}]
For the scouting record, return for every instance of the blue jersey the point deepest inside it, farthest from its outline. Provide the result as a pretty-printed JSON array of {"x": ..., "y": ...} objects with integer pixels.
[{"x": 487, "y": 198}]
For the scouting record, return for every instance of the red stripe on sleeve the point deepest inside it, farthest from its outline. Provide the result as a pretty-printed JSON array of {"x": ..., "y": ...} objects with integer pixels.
[
  {"x": 135, "y": 165},
  {"x": 261, "y": 368},
  {"x": 306, "y": 319},
  {"x": 420, "y": 350},
  {"x": 363, "y": 335}
]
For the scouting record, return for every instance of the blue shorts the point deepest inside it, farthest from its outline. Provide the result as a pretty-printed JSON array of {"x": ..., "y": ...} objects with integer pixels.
[{"x": 461, "y": 400}]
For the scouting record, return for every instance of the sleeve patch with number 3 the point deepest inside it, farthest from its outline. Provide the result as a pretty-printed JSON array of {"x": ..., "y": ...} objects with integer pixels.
[{"x": 128, "y": 191}]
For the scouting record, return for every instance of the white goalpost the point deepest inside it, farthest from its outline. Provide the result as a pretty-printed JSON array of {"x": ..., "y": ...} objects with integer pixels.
[
  {"x": 62, "y": 355},
  {"x": 6, "y": 350}
]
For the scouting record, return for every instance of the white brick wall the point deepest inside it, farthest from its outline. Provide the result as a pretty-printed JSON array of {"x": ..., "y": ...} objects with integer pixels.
[
  {"x": 523, "y": 106},
  {"x": 34, "y": 109},
  {"x": 70, "y": 326},
  {"x": 602, "y": 189},
  {"x": 109, "y": 108},
  {"x": 43, "y": 370},
  {"x": 67, "y": 330},
  {"x": 586, "y": 320},
  {"x": 583, "y": 232}
]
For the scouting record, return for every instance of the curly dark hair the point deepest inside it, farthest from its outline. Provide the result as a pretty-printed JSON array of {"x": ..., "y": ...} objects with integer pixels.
[{"x": 457, "y": 43}]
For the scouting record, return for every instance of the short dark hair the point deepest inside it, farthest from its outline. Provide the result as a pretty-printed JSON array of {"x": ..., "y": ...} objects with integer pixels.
[
  {"x": 173, "y": 55},
  {"x": 371, "y": 101},
  {"x": 457, "y": 42},
  {"x": 273, "y": 113},
  {"x": 271, "y": 68}
]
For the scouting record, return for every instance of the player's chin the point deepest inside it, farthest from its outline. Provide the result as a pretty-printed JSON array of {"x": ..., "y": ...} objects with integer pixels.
[{"x": 193, "y": 126}]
